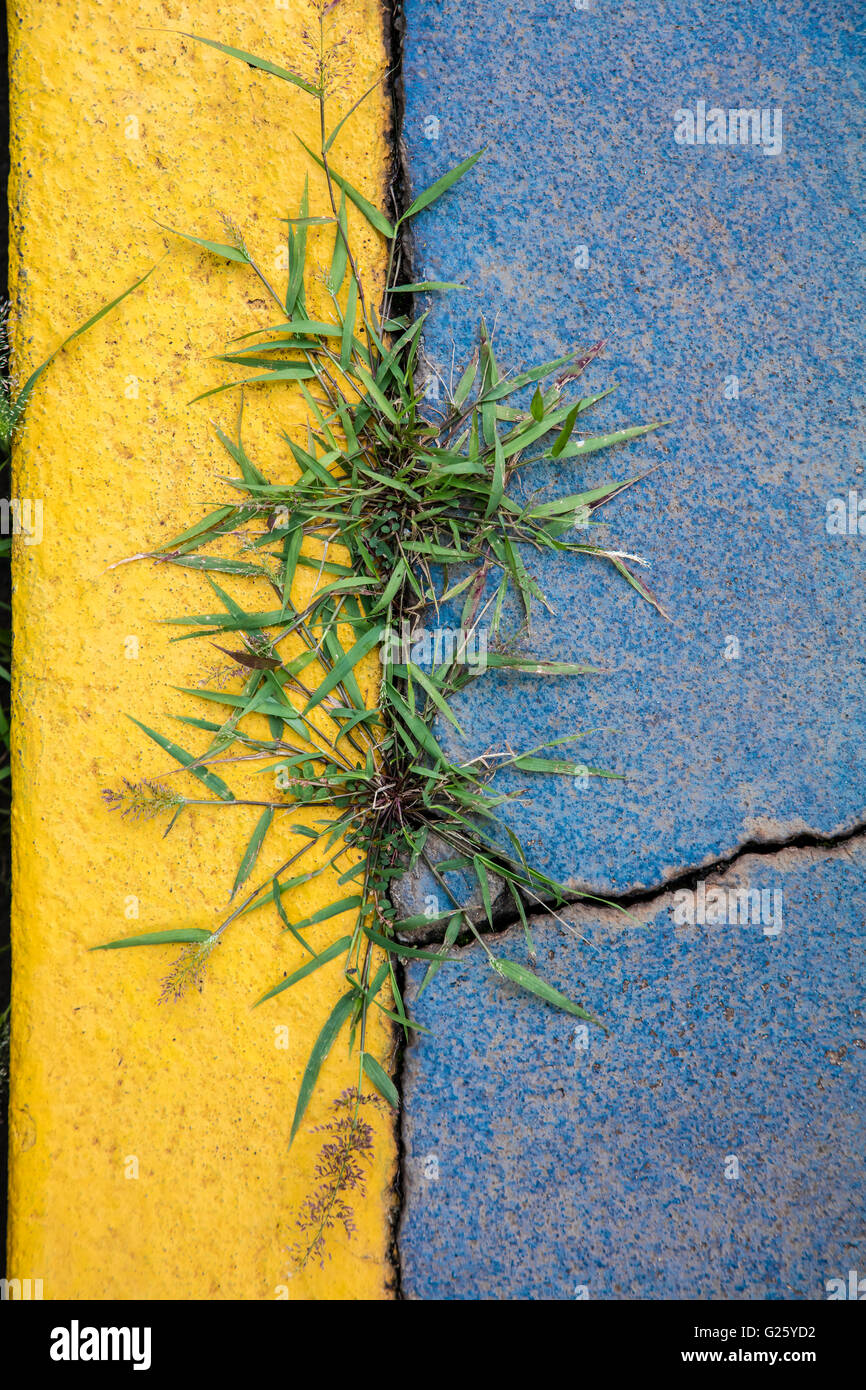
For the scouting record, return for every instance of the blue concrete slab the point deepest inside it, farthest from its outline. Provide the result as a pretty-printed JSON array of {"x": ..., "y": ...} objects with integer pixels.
[
  {"x": 724, "y": 279},
  {"x": 710, "y": 1146}
]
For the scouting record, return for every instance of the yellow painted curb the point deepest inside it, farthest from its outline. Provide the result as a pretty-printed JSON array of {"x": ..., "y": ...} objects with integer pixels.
[{"x": 149, "y": 1153}]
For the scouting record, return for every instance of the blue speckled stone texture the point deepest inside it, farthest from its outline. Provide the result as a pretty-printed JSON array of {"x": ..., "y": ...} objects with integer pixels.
[
  {"x": 562, "y": 1169},
  {"x": 542, "y": 1159},
  {"x": 705, "y": 262}
]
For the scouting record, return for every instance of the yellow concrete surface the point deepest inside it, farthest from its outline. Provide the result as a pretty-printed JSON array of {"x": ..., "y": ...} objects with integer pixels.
[{"x": 149, "y": 1154}]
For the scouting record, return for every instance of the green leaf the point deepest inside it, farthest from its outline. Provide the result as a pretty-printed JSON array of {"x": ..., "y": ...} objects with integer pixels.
[
  {"x": 376, "y": 218},
  {"x": 397, "y": 948},
  {"x": 339, "y": 259},
  {"x": 346, "y": 665},
  {"x": 298, "y": 250},
  {"x": 516, "y": 383},
  {"x": 380, "y": 1079},
  {"x": 156, "y": 938},
  {"x": 536, "y": 407},
  {"x": 593, "y": 497},
  {"x": 276, "y": 895},
  {"x": 254, "y": 62},
  {"x": 211, "y": 562},
  {"x": 435, "y": 694},
  {"x": 201, "y": 528},
  {"x": 484, "y": 881},
  {"x": 565, "y": 433},
  {"x": 416, "y": 726},
  {"x": 322, "y": 1046},
  {"x": 637, "y": 584},
  {"x": 295, "y": 371},
  {"x": 397, "y": 578},
  {"x": 467, "y": 381},
  {"x": 561, "y": 765},
  {"x": 210, "y": 780},
  {"x": 519, "y": 975},
  {"x": 332, "y": 910},
  {"x": 335, "y": 949},
  {"x": 497, "y": 488},
  {"x": 540, "y": 668},
  {"x": 452, "y": 931},
  {"x": 339, "y": 126},
  {"x": 441, "y": 186},
  {"x": 605, "y": 441},
  {"x": 299, "y": 327},
  {"x": 420, "y": 919},
  {"x": 373, "y": 390},
  {"x": 423, "y": 286},
  {"x": 251, "y": 853},
  {"x": 24, "y": 394},
  {"x": 218, "y": 248},
  {"x": 349, "y": 324}
]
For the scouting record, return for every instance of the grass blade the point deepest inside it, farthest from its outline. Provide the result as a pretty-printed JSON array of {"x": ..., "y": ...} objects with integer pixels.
[
  {"x": 254, "y": 62},
  {"x": 217, "y": 248},
  {"x": 210, "y": 779},
  {"x": 376, "y": 218},
  {"x": 251, "y": 852},
  {"x": 519, "y": 975},
  {"x": 156, "y": 938},
  {"x": 322, "y": 1046},
  {"x": 380, "y": 1079},
  {"x": 24, "y": 394},
  {"x": 331, "y": 952},
  {"x": 441, "y": 186},
  {"x": 346, "y": 665}
]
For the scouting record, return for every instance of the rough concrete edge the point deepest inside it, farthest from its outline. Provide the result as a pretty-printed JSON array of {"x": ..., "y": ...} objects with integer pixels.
[{"x": 17, "y": 293}]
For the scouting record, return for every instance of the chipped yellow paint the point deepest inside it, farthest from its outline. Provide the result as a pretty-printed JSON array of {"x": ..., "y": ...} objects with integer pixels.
[{"x": 150, "y": 1141}]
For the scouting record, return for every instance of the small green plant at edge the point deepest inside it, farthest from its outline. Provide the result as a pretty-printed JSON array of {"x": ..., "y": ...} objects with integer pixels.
[{"x": 396, "y": 509}]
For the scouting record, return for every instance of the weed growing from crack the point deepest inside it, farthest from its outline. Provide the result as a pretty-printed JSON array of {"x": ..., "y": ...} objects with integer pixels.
[{"x": 396, "y": 510}]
